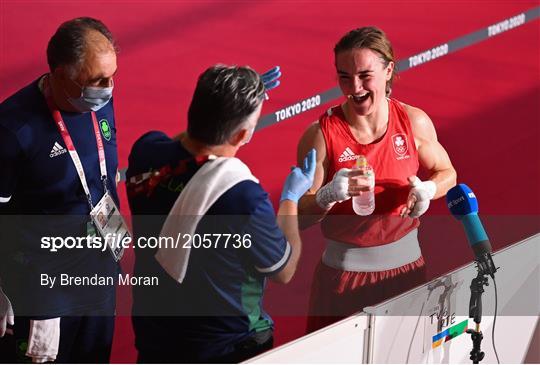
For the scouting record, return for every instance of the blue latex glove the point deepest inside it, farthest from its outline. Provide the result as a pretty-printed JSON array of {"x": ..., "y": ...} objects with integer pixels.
[
  {"x": 300, "y": 179},
  {"x": 271, "y": 79}
]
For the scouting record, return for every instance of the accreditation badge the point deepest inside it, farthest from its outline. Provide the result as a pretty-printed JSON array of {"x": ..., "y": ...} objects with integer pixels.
[{"x": 110, "y": 225}]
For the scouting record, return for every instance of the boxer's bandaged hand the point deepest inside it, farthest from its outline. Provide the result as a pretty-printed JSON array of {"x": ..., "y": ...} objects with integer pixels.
[
  {"x": 336, "y": 190},
  {"x": 421, "y": 193},
  {"x": 6, "y": 313}
]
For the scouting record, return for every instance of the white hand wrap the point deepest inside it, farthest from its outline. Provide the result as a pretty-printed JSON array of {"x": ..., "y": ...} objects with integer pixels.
[
  {"x": 336, "y": 190},
  {"x": 424, "y": 191},
  {"x": 6, "y": 313}
]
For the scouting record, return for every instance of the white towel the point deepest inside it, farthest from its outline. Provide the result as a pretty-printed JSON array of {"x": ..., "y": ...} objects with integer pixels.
[
  {"x": 43, "y": 340},
  {"x": 212, "y": 180}
]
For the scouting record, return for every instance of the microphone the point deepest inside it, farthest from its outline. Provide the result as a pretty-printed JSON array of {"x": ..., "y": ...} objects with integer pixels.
[{"x": 464, "y": 207}]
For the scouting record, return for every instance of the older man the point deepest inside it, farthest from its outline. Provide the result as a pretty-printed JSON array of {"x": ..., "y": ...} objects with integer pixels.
[{"x": 59, "y": 160}]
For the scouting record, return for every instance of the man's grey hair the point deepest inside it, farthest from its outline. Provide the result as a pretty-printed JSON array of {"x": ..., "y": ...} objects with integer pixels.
[{"x": 224, "y": 98}]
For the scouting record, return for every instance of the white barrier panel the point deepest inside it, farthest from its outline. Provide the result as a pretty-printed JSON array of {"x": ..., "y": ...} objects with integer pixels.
[
  {"x": 426, "y": 324},
  {"x": 435, "y": 333},
  {"x": 342, "y": 342}
]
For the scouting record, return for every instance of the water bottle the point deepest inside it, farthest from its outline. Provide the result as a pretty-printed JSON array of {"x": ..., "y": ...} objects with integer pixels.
[{"x": 364, "y": 204}]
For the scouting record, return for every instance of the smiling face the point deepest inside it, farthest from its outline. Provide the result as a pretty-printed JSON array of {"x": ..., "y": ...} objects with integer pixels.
[{"x": 363, "y": 75}]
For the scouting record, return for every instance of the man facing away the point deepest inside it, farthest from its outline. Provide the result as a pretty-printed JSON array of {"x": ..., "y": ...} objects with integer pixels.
[{"x": 215, "y": 314}]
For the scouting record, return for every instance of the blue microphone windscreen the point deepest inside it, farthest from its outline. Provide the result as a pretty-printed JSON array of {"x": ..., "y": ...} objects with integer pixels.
[
  {"x": 473, "y": 229},
  {"x": 461, "y": 201}
]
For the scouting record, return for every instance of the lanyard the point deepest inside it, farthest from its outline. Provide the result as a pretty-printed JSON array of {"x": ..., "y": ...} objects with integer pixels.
[{"x": 71, "y": 147}]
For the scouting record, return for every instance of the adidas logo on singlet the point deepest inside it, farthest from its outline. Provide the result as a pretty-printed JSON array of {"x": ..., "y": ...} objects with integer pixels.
[
  {"x": 57, "y": 150},
  {"x": 348, "y": 155}
]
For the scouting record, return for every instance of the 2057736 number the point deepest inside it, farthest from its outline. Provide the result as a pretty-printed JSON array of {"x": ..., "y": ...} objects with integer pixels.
[{"x": 215, "y": 240}]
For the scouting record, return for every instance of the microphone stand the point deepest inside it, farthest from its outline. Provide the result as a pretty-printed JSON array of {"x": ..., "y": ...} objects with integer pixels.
[{"x": 485, "y": 267}]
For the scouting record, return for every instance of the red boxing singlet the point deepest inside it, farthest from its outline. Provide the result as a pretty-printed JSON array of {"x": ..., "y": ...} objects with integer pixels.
[{"x": 393, "y": 157}]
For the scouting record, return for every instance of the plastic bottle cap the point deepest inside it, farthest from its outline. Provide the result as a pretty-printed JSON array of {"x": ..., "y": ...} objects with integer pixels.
[{"x": 361, "y": 162}]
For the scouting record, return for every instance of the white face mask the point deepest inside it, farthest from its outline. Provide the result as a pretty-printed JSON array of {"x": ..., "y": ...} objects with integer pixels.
[{"x": 92, "y": 98}]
